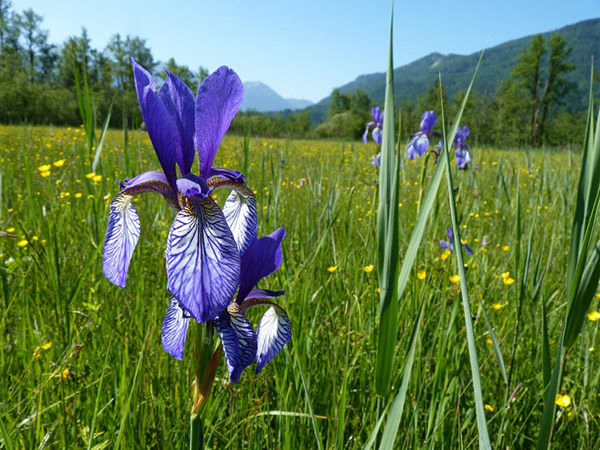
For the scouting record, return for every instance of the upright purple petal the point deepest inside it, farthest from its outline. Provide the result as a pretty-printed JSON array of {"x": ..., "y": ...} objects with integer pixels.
[
  {"x": 273, "y": 332},
  {"x": 218, "y": 100},
  {"x": 203, "y": 262},
  {"x": 179, "y": 101},
  {"x": 174, "y": 329},
  {"x": 428, "y": 120},
  {"x": 262, "y": 258},
  {"x": 159, "y": 122}
]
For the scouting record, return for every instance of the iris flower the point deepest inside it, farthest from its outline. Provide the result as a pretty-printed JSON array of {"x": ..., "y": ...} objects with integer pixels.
[
  {"x": 462, "y": 152},
  {"x": 419, "y": 142},
  {"x": 205, "y": 242},
  {"x": 377, "y": 124},
  {"x": 448, "y": 244},
  {"x": 241, "y": 343}
]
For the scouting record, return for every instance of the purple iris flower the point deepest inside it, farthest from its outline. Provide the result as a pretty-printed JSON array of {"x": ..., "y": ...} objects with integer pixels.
[
  {"x": 205, "y": 241},
  {"x": 462, "y": 152},
  {"x": 449, "y": 246},
  {"x": 241, "y": 343},
  {"x": 377, "y": 123},
  {"x": 376, "y": 161},
  {"x": 419, "y": 142}
]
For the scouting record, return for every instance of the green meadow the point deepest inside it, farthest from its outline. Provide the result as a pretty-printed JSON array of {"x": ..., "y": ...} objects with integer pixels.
[{"x": 81, "y": 361}]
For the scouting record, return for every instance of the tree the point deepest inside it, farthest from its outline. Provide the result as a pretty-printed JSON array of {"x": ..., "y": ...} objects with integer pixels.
[
  {"x": 543, "y": 79},
  {"x": 4, "y": 20},
  {"x": 34, "y": 38}
]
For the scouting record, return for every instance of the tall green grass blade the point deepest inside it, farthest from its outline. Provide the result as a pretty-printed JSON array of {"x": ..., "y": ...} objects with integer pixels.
[
  {"x": 395, "y": 413},
  {"x": 387, "y": 238},
  {"x": 101, "y": 141},
  {"x": 484, "y": 439},
  {"x": 97, "y": 403},
  {"x": 5, "y": 437},
  {"x": 84, "y": 100},
  {"x": 496, "y": 346},
  {"x": 308, "y": 402}
]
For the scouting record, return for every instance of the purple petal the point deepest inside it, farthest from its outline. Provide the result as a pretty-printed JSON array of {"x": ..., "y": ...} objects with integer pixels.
[
  {"x": 263, "y": 293},
  {"x": 446, "y": 245},
  {"x": 240, "y": 214},
  {"x": 179, "y": 101},
  {"x": 468, "y": 249},
  {"x": 203, "y": 262},
  {"x": 273, "y": 332},
  {"x": 417, "y": 146},
  {"x": 239, "y": 342},
  {"x": 449, "y": 233},
  {"x": 232, "y": 175},
  {"x": 159, "y": 122},
  {"x": 192, "y": 184},
  {"x": 218, "y": 100},
  {"x": 377, "y": 135},
  {"x": 122, "y": 235},
  {"x": 365, "y": 134},
  {"x": 428, "y": 121},
  {"x": 262, "y": 258},
  {"x": 123, "y": 229},
  {"x": 174, "y": 329}
]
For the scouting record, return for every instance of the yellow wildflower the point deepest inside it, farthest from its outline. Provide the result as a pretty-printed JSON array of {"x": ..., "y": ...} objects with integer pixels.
[
  {"x": 421, "y": 274},
  {"x": 45, "y": 174},
  {"x": 445, "y": 255},
  {"x": 508, "y": 281},
  {"x": 497, "y": 306},
  {"x": 562, "y": 400},
  {"x": 90, "y": 175},
  {"x": 505, "y": 248},
  {"x": 455, "y": 278},
  {"x": 22, "y": 243},
  {"x": 78, "y": 195},
  {"x": 505, "y": 275},
  {"x": 10, "y": 230},
  {"x": 44, "y": 168},
  {"x": 65, "y": 375},
  {"x": 59, "y": 163},
  {"x": 489, "y": 408},
  {"x": 331, "y": 269},
  {"x": 378, "y": 290},
  {"x": 368, "y": 268},
  {"x": 593, "y": 316},
  {"x": 97, "y": 178}
]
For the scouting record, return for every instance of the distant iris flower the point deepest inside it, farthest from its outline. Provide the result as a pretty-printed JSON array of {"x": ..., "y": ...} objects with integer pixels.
[
  {"x": 377, "y": 124},
  {"x": 448, "y": 244},
  {"x": 205, "y": 241},
  {"x": 241, "y": 343},
  {"x": 463, "y": 151},
  {"x": 419, "y": 142}
]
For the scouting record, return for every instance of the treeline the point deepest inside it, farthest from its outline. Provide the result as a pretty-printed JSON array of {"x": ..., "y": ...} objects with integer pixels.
[{"x": 38, "y": 78}]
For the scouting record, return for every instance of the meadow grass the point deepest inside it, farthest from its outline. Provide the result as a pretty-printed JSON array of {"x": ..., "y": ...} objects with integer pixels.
[{"x": 81, "y": 364}]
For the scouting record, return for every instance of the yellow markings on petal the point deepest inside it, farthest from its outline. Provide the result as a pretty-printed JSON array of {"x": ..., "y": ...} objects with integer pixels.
[
  {"x": 454, "y": 278},
  {"x": 593, "y": 316},
  {"x": 331, "y": 269},
  {"x": 368, "y": 268},
  {"x": 562, "y": 400},
  {"x": 421, "y": 274}
]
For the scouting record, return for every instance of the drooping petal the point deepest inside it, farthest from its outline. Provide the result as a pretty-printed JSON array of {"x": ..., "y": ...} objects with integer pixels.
[
  {"x": 262, "y": 258},
  {"x": 417, "y": 146},
  {"x": 446, "y": 245},
  {"x": 122, "y": 233},
  {"x": 273, "y": 332},
  {"x": 240, "y": 213},
  {"x": 260, "y": 293},
  {"x": 365, "y": 134},
  {"x": 174, "y": 329},
  {"x": 203, "y": 262},
  {"x": 239, "y": 342},
  {"x": 180, "y": 102},
  {"x": 377, "y": 135},
  {"x": 123, "y": 229},
  {"x": 232, "y": 175},
  {"x": 217, "y": 102},
  {"x": 159, "y": 122}
]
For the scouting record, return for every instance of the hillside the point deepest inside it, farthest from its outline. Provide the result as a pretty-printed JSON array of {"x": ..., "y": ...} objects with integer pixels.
[{"x": 413, "y": 80}]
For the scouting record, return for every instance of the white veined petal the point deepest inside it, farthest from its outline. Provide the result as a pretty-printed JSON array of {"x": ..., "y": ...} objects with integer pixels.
[
  {"x": 273, "y": 332},
  {"x": 203, "y": 262},
  {"x": 240, "y": 213},
  {"x": 122, "y": 235}
]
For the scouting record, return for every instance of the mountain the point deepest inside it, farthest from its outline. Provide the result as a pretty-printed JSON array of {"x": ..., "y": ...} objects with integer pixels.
[
  {"x": 260, "y": 97},
  {"x": 413, "y": 80}
]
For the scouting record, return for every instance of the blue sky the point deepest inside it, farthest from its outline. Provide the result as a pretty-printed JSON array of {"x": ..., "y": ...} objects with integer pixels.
[{"x": 305, "y": 48}]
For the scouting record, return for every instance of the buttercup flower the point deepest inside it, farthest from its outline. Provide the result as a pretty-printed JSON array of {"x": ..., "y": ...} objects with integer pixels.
[
  {"x": 419, "y": 142},
  {"x": 205, "y": 242},
  {"x": 377, "y": 124},
  {"x": 241, "y": 343}
]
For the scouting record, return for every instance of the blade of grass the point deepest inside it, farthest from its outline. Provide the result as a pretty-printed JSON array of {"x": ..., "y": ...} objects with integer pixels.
[{"x": 101, "y": 141}]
